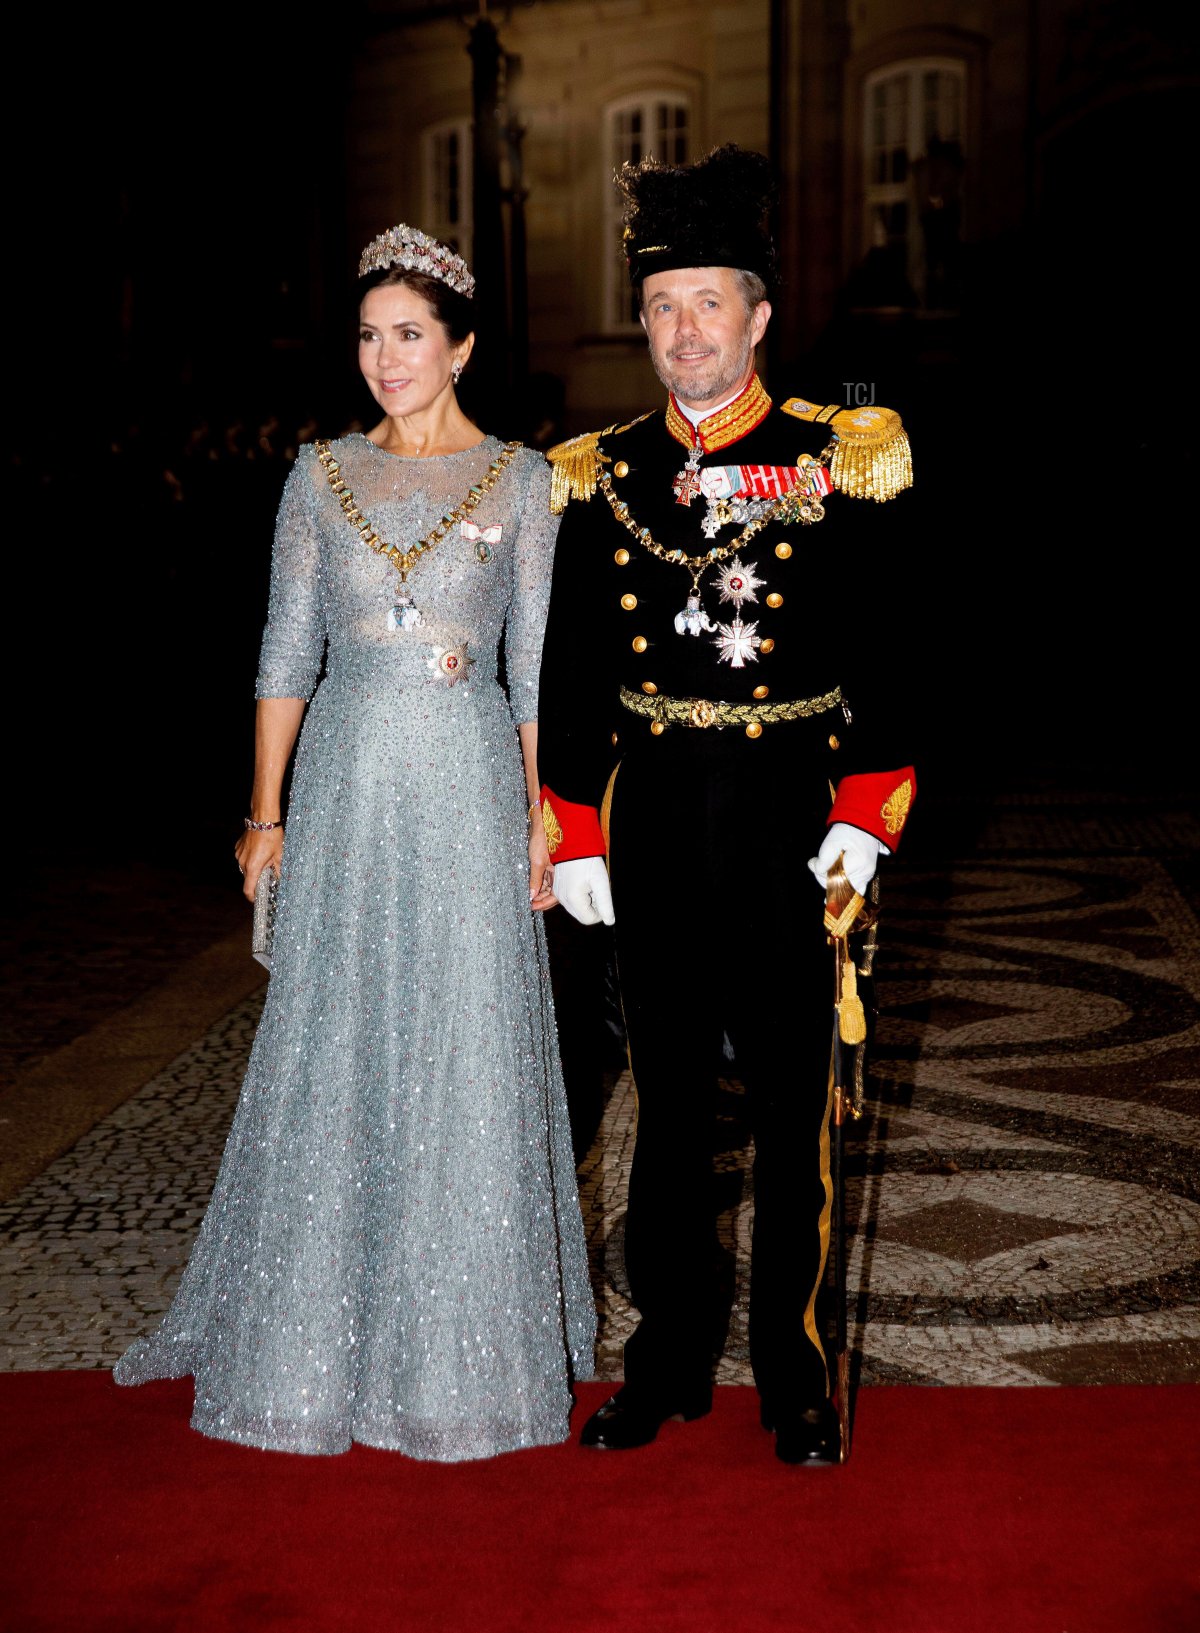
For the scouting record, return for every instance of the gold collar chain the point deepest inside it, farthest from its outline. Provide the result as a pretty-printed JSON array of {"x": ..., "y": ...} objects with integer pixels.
[
  {"x": 696, "y": 565},
  {"x": 405, "y": 560},
  {"x": 784, "y": 507}
]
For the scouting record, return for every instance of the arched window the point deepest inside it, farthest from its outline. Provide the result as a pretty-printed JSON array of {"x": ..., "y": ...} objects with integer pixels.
[
  {"x": 654, "y": 123},
  {"x": 913, "y": 166},
  {"x": 446, "y": 173}
]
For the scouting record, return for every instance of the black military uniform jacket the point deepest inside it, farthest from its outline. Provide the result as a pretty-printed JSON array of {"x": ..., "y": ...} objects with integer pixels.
[{"x": 782, "y": 627}]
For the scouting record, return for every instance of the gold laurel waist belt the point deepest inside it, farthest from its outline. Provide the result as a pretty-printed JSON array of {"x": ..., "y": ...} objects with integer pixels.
[{"x": 702, "y": 712}]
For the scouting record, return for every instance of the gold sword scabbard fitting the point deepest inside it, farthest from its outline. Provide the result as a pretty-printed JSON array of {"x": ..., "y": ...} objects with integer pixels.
[{"x": 843, "y": 1405}]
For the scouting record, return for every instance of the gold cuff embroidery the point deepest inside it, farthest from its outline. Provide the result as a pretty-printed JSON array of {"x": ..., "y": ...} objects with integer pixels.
[
  {"x": 894, "y": 809},
  {"x": 554, "y": 833}
]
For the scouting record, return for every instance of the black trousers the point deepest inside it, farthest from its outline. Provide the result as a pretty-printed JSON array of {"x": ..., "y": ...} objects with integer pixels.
[{"x": 718, "y": 930}]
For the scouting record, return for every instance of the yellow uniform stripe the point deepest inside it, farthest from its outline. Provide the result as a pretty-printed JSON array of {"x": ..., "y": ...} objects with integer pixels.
[{"x": 810, "y": 1309}]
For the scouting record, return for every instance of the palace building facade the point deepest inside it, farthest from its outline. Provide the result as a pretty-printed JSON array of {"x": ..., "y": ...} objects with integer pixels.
[{"x": 899, "y": 130}]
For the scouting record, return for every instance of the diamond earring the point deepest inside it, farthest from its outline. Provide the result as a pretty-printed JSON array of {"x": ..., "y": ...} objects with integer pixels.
[{"x": 456, "y": 373}]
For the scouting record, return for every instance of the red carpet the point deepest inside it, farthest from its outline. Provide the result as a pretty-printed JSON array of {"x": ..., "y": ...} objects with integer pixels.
[{"x": 962, "y": 1511}]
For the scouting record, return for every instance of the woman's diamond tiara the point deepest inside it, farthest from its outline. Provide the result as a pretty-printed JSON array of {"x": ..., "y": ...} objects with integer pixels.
[{"x": 415, "y": 251}]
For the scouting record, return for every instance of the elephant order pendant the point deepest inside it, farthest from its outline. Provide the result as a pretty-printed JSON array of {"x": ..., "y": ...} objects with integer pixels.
[
  {"x": 404, "y": 615},
  {"x": 693, "y": 620}
]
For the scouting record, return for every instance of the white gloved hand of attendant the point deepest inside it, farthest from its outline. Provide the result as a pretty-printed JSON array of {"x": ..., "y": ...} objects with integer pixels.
[
  {"x": 582, "y": 887},
  {"x": 862, "y": 855}
]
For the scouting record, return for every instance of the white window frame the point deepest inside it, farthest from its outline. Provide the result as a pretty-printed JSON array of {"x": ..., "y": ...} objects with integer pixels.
[
  {"x": 437, "y": 218},
  {"x": 909, "y": 72},
  {"x": 619, "y": 317}
]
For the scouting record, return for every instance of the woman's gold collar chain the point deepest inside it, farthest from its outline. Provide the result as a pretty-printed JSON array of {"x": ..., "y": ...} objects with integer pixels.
[
  {"x": 405, "y": 560},
  {"x": 405, "y": 614}
]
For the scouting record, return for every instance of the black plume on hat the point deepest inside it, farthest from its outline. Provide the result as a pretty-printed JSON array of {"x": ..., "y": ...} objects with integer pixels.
[{"x": 715, "y": 212}]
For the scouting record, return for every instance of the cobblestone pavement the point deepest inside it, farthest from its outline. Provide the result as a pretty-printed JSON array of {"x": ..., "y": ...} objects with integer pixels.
[
  {"x": 115, "y": 926},
  {"x": 1023, "y": 1186}
]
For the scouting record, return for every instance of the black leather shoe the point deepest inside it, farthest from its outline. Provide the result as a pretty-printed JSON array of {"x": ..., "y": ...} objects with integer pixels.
[
  {"x": 627, "y": 1421},
  {"x": 812, "y": 1439}
]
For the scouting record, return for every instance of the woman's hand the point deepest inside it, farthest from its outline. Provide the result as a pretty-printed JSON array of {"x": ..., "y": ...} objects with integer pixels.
[
  {"x": 541, "y": 868},
  {"x": 256, "y": 851}
]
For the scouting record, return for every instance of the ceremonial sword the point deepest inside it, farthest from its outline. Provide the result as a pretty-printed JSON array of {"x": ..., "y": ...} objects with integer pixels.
[{"x": 846, "y": 913}]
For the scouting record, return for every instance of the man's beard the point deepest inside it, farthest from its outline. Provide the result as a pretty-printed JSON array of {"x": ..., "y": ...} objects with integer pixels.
[{"x": 718, "y": 380}]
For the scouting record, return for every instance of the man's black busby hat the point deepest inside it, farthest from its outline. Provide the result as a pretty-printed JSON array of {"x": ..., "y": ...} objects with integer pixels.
[{"x": 715, "y": 212}]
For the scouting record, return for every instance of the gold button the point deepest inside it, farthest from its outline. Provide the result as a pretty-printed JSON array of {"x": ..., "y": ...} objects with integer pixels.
[
  {"x": 649, "y": 688},
  {"x": 657, "y": 728},
  {"x": 774, "y": 599},
  {"x": 833, "y": 743},
  {"x": 614, "y": 739},
  {"x": 621, "y": 557},
  {"x": 783, "y": 550},
  {"x": 620, "y": 468},
  {"x": 640, "y": 643},
  {"x": 754, "y": 729},
  {"x": 761, "y": 691},
  {"x": 768, "y": 645},
  {"x": 629, "y": 602}
]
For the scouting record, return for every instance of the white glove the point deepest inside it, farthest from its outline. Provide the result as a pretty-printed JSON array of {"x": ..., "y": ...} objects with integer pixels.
[
  {"x": 862, "y": 854},
  {"x": 582, "y": 887}
]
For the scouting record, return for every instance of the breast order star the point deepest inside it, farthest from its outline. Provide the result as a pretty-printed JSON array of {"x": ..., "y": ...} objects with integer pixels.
[
  {"x": 738, "y": 583},
  {"x": 737, "y": 642}
]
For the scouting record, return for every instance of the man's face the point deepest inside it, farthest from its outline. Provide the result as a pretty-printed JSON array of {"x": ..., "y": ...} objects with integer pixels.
[{"x": 702, "y": 337}]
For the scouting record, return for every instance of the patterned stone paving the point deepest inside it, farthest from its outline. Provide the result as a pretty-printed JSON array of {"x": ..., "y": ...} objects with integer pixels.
[
  {"x": 1028, "y": 1188},
  {"x": 1023, "y": 1186},
  {"x": 78, "y": 902}
]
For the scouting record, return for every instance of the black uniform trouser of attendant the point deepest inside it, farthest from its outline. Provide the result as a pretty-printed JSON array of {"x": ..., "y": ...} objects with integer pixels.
[{"x": 719, "y": 929}]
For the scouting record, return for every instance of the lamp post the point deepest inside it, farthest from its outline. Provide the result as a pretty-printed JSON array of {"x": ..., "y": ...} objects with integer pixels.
[
  {"x": 516, "y": 194},
  {"x": 488, "y": 247}
]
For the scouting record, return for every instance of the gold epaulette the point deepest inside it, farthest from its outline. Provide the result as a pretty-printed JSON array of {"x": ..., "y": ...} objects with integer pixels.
[
  {"x": 576, "y": 465},
  {"x": 872, "y": 459}
]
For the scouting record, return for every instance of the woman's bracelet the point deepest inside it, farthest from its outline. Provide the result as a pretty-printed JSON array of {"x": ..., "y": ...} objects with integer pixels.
[
  {"x": 262, "y": 827},
  {"x": 536, "y": 806}
]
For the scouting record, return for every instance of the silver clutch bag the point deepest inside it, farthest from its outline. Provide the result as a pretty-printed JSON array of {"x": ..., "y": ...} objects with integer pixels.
[{"x": 262, "y": 940}]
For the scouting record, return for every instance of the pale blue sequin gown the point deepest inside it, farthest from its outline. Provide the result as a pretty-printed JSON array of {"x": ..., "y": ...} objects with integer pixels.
[{"x": 393, "y": 1252}]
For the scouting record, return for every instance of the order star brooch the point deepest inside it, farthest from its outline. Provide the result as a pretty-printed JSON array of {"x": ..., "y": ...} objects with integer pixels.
[
  {"x": 451, "y": 663},
  {"x": 738, "y": 583}
]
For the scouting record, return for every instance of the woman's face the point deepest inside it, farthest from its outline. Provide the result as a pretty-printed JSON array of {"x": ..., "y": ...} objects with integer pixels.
[{"x": 405, "y": 354}]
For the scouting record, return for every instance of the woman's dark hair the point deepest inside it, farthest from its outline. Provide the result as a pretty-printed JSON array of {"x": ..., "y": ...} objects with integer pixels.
[{"x": 452, "y": 310}]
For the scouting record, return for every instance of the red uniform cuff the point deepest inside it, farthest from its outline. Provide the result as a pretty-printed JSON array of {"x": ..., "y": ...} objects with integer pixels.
[
  {"x": 876, "y": 801},
  {"x": 571, "y": 830}
]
